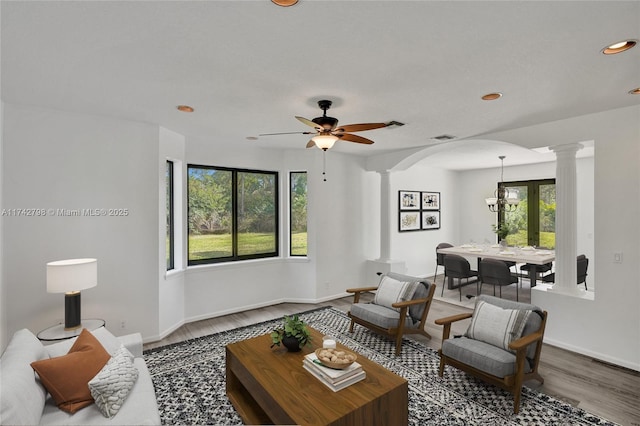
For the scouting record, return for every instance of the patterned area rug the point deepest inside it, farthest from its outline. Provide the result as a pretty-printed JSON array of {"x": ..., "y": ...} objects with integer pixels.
[{"x": 189, "y": 379}]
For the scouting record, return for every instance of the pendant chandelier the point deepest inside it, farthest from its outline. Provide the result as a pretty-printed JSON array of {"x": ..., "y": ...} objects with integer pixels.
[{"x": 502, "y": 200}]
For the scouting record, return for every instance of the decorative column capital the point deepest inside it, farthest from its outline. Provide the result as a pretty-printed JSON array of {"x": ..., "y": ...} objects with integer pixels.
[{"x": 566, "y": 149}]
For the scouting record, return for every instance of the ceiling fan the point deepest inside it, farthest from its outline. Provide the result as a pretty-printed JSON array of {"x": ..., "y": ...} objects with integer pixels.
[{"x": 327, "y": 131}]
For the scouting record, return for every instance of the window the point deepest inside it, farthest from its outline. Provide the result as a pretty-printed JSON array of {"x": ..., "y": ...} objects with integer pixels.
[
  {"x": 170, "y": 241},
  {"x": 533, "y": 223},
  {"x": 298, "y": 214},
  {"x": 233, "y": 214}
]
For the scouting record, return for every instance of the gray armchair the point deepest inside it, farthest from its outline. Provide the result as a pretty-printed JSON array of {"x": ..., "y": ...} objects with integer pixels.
[
  {"x": 400, "y": 306},
  {"x": 501, "y": 346}
]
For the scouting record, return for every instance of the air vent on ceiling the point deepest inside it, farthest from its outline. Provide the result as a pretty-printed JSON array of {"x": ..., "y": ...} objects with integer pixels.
[
  {"x": 395, "y": 123},
  {"x": 443, "y": 137}
]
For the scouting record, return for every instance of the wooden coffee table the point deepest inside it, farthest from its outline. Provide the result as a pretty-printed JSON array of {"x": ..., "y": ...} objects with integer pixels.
[{"x": 270, "y": 386}]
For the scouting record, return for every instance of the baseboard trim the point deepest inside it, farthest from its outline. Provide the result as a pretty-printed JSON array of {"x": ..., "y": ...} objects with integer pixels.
[
  {"x": 188, "y": 320},
  {"x": 597, "y": 356}
]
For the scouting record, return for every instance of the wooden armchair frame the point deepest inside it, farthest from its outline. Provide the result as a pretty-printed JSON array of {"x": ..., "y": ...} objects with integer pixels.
[
  {"x": 512, "y": 383},
  {"x": 400, "y": 330}
]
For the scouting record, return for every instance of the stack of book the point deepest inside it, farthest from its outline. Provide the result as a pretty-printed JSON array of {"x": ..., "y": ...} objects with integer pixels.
[{"x": 332, "y": 378}]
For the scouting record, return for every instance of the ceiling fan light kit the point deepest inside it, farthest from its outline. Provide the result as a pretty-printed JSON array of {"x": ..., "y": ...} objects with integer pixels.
[{"x": 324, "y": 142}]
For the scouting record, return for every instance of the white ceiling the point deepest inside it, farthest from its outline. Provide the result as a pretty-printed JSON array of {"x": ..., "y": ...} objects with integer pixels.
[{"x": 248, "y": 67}]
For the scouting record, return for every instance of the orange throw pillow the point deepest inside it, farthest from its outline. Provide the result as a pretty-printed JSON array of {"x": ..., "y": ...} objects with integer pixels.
[{"x": 67, "y": 377}]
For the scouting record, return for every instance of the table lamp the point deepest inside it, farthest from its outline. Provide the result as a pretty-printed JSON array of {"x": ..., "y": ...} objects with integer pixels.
[{"x": 69, "y": 277}]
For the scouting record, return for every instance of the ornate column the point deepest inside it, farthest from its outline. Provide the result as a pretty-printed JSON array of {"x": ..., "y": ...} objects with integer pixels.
[
  {"x": 385, "y": 216},
  {"x": 384, "y": 263},
  {"x": 566, "y": 219}
]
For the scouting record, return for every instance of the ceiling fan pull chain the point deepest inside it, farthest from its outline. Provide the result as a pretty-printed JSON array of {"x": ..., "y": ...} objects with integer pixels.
[{"x": 324, "y": 164}]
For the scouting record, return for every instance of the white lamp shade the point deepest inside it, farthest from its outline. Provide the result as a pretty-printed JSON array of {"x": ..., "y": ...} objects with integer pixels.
[
  {"x": 71, "y": 275},
  {"x": 324, "y": 141},
  {"x": 491, "y": 201}
]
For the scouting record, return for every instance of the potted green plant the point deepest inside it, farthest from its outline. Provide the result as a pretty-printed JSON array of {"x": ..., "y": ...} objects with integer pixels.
[
  {"x": 501, "y": 231},
  {"x": 294, "y": 334}
]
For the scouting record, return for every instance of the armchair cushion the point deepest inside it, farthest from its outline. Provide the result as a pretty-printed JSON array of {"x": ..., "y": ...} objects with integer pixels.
[
  {"x": 391, "y": 290},
  {"x": 533, "y": 322},
  {"x": 422, "y": 292},
  {"x": 496, "y": 325},
  {"x": 378, "y": 315},
  {"x": 482, "y": 356}
]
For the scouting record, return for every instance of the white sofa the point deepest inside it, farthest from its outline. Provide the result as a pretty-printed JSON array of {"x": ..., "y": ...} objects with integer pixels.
[{"x": 24, "y": 400}]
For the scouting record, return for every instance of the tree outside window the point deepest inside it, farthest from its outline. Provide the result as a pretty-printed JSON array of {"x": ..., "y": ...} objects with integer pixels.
[
  {"x": 298, "y": 214},
  {"x": 232, "y": 214},
  {"x": 533, "y": 223}
]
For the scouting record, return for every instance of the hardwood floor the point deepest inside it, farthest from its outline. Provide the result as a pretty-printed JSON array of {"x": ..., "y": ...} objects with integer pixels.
[{"x": 605, "y": 390}]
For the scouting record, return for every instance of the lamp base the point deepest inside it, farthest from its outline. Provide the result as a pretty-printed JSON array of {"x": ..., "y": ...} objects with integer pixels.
[{"x": 72, "y": 311}]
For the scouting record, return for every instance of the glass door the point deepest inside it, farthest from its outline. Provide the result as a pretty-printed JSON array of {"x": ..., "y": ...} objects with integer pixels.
[
  {"x": 533, "y": 223},
  {"x": 517, "y": 221},
  {"x": 547, "y": 215}
]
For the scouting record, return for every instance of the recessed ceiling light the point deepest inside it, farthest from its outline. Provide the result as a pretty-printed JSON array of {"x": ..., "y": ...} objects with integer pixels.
[
  {"x": 619, "y": 47},
  {"x": 284, "y": 3},
  {"x": 635, "y": 91},
  {"x": 252, "y": 138},
  {"x": 185, "y": 108},
  {"x": 492, "y": 96}
]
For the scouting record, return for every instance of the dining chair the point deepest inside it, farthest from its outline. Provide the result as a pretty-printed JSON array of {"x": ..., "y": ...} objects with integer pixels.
[
  {"x": 582, "y": 263},
  {"x": 440, "y": 262},
  {"x": 456, "y": 266},
  {"x": 540, "y": 270},
  {"x": 497, "y": 273}
]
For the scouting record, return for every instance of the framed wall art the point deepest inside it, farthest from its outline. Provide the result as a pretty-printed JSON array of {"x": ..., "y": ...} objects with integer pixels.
[
  {"x": 409, "y": 200},
  {"x": 418, "y": 210},
  {"x": 430, "y": 200},
  {"x": 409, "y": 221},
  {"x": 431, "y": 219}
]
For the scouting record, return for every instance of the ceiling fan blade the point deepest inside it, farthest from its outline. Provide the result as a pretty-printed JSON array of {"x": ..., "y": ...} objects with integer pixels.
[
  {"x": 309, "y": 123},
  {"x": 360, "y": 127},
  {"x": 354, "y": 138},
  {"x": 311, "y": 144},
  {"x": 286, "y": 133}
]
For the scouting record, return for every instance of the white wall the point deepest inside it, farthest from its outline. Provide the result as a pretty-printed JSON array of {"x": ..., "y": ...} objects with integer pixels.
[
  {"x": 335, "y": 234},
  {"x": 339, "y": 223},
  {"x": 4, "y": 334},
  {"x": 171, "y": 284},
  {"x": 608, "y": 327},
  {"x": 57, "y": 160},
  {"x": 418, "y": 248}
]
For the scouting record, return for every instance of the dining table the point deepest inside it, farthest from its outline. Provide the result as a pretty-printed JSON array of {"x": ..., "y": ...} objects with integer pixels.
[{"x": 529, "y": 255}]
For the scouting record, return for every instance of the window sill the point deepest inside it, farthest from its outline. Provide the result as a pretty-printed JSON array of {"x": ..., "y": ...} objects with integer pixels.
[
  {"x": 174, "y": 273},
  {"x": 241, "y": 264}
]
